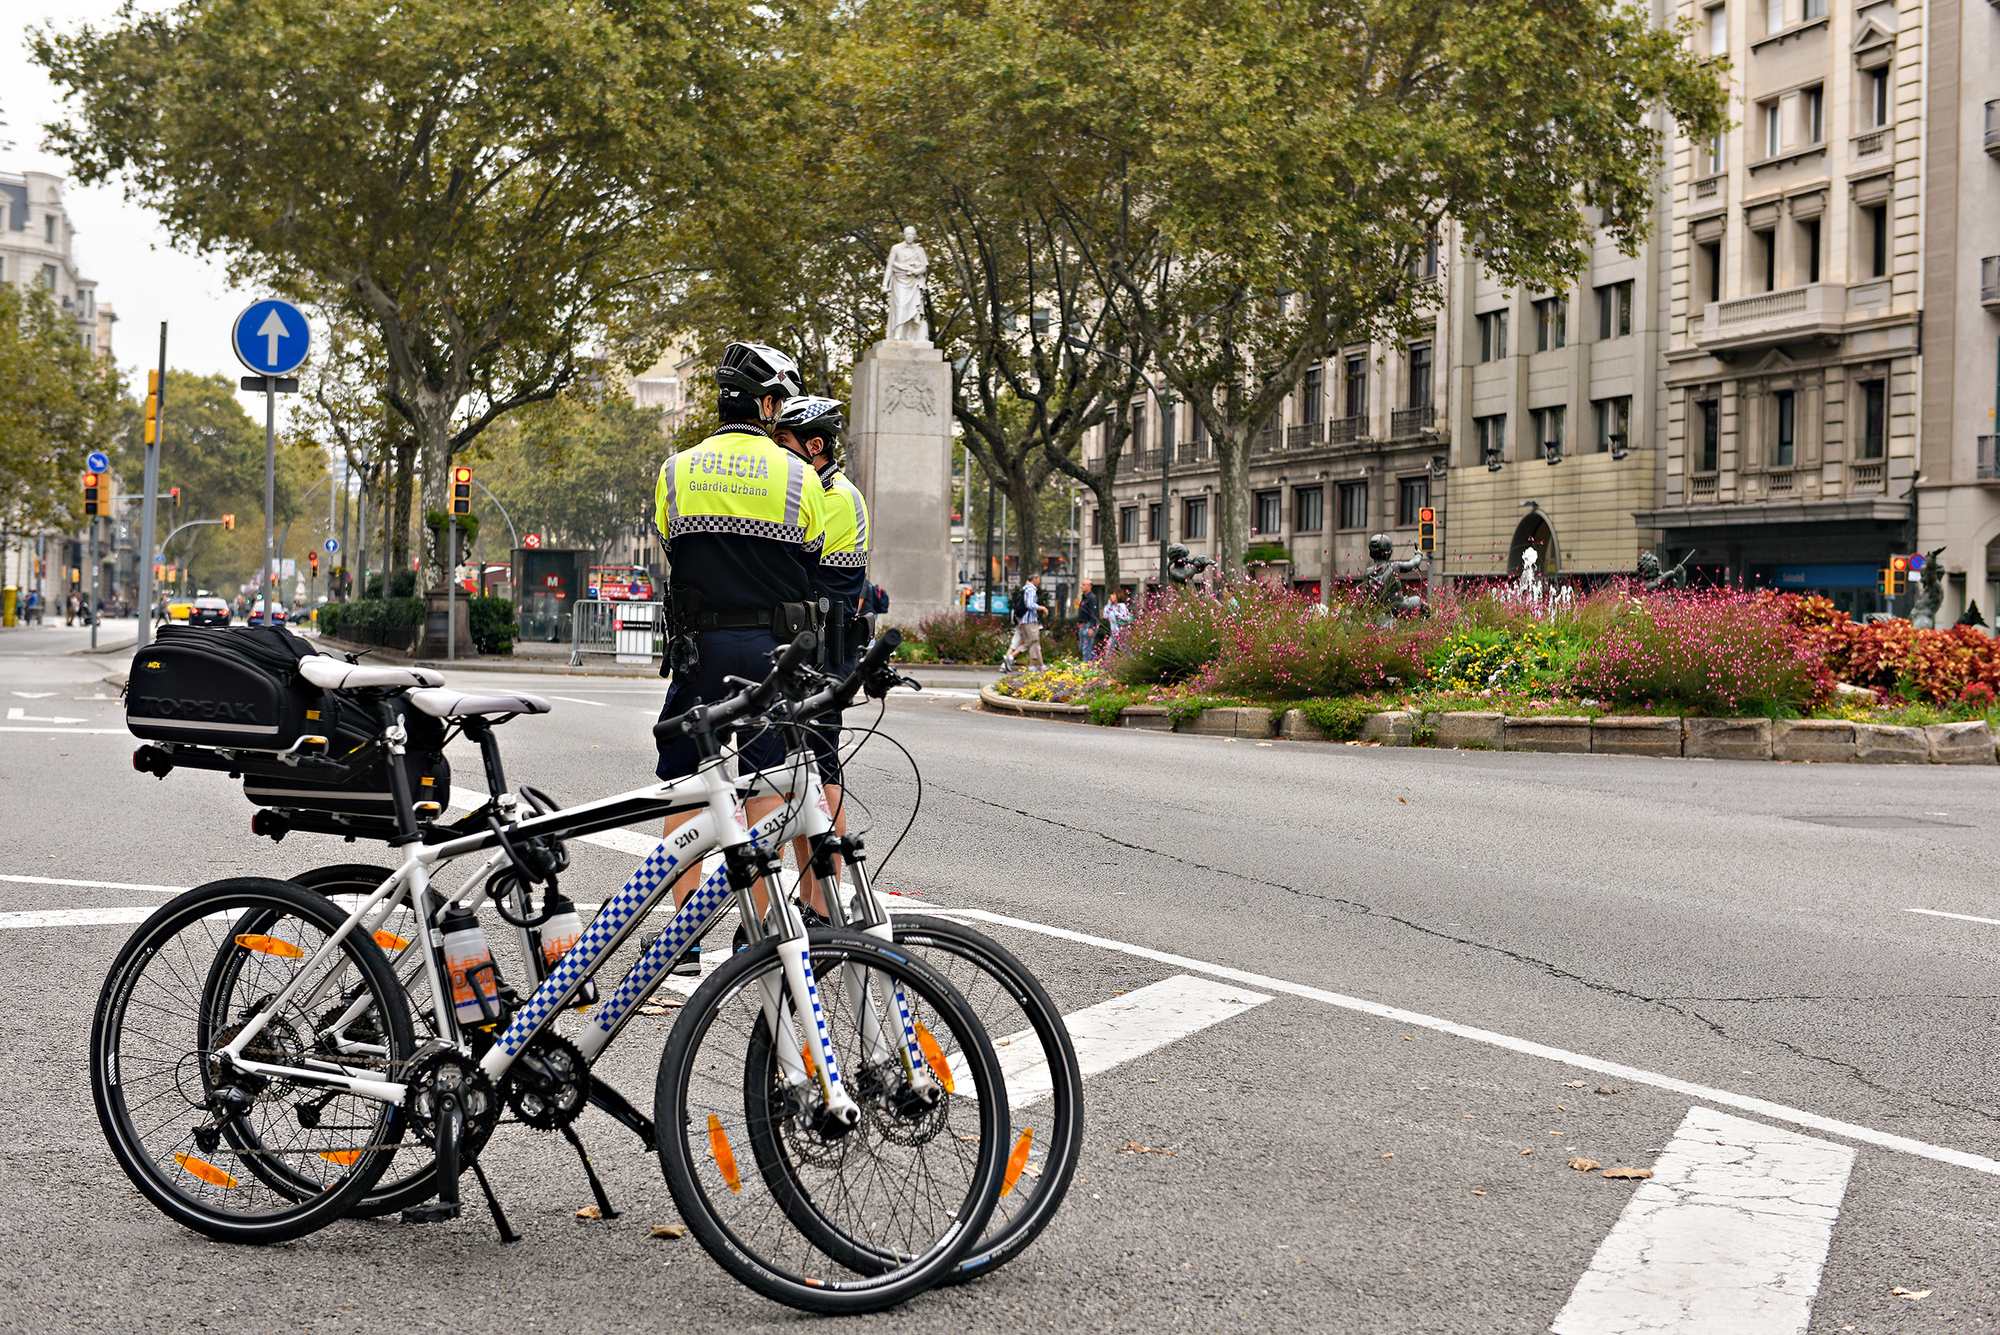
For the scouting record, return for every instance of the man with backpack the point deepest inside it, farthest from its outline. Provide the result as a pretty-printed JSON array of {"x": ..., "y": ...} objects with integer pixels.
[{"x": 1026, "y": 612}]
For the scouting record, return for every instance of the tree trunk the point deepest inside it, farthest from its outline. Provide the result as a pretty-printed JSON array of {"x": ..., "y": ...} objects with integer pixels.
[
  {"x": 1232, "y": 515},
  {"x": 399, "y": 518},
  {"x": 1107, "y": 534},
  {"x": 1024, "y": 498}
]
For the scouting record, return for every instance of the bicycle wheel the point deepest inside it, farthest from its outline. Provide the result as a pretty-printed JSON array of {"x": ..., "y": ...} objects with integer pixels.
[
  {"x": 1044, "y": 1085},
  {"x": 247, "y": 1158},
  {"x": 832, "y": 1220}
]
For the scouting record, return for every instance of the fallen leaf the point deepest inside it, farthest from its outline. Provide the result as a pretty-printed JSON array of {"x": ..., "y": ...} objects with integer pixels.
[
  {"x": 1408, "y": 1039},
  {"x": 1912, "y": 1294},
  {"x": 587, "y": 1212},
  {"x": 670, "y": 1230},
  {"x": 1136, "y": 1148},
  {"x": 1575, "y": 1084},
  {"x": 1406, "y": 801},
  {"x": 1479, "y": 1193},
  {"x": 1634, "y": 1173},
  {"x": 1584, "y": 1165},
  {"x": 1527, "y": 1151},
  {"x": 659, "y": 1008},
  {"x": 1606, "y": 1089}
]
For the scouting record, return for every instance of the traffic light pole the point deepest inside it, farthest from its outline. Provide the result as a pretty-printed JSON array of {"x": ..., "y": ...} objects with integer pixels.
[
  {"x": 92, "y": 521},
  {"x": 451, "y": 585},
  {"x": 149, "y": 507}
]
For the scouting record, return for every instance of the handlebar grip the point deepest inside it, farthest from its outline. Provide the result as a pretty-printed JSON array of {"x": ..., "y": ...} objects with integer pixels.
[{"x": 802, "y": 646}]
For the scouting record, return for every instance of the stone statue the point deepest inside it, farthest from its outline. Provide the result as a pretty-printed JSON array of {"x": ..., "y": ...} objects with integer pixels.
[
  {"x": 1182, "y": 566},
  {"x": 1384, "y": 579},
  {"x": 1930, "y": 595},
  {"x": 903, "y": 284},
  {"x": 1650, "y": 576}
]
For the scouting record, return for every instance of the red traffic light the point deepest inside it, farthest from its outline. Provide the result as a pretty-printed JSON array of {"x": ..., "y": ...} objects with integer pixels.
[
  {"x": 1426, "y": 515},
  {"x": 90, "y": 479},
  {"x": 1899, "y": 564},
  {"x": 312, "y": 561},
  {"x": 461, "y": 475}
]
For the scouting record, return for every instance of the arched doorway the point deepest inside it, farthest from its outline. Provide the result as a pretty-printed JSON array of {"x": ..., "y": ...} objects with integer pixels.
[{"x": 1535, "y": 531}]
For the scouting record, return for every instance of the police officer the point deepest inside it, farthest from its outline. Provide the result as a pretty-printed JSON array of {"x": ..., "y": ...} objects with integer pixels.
[
  {"x": 809, "y": 427},
  {"x": 743, "y": 520}
]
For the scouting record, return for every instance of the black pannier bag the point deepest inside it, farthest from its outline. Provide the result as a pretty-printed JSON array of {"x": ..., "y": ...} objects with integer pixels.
[
  {"x": 225, "y": 688},
  {"x": 366, "y": 791}
]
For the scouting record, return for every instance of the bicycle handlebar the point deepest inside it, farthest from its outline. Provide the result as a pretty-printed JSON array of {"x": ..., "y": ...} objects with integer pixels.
[
  {"x": 866, "y": 673},
  {"x": 707, "y": 718}
]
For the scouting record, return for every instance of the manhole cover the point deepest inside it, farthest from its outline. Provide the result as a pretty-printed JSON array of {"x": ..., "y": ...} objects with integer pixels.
[{"x": 1879, "y": 822}]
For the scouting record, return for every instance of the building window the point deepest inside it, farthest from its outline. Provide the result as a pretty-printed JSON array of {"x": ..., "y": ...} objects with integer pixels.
[
  {"x": 1708, "y": 271},
  {"x": 1551, "y": 324},
  {"x": 49, "y": 228},
  {"x": 1420, "y": 375},
  {"x": 1267, "y": 510},
  {"x": 1875, "y": 235},
  {"x": 1709, "y": 414},
  {"x": 1096, "y": 527},
  {"x": 1874, "y": 420},
  {"x": 1412, "y": 495},
  {"x": 1768, "y": 114},
  {"x": 1809, "y": 248},
  {"x": 1139, "y": 426},
  {"x": 1128, "y": 523},
  {"x": 1774, "y": 15},
  {"x": 1492, "y": 433},
  {"x": 1614, "y": 424},
  {"x": 1357, "y": 387},
  {"x": 1764, "y": 254},
  {"x": 1718, "y": 30},
  {"x": 1786, "y": 423},
  {"x": 1814, "y": 9},
  {"x": 1167, "y": 425},
  {"x": 49, "y": 277},
  {"x": 1425, "y": 264},
  {"x": 1200, "y": 428},
  {"x": 1308, "y": 509},
  {"x": 1548, "y": 424},
  {"x": 1614, "y": 310},
  {"x": 1812, "y": 113},
  {"x": 1194, "y": 519},
  {"x": 1310, "y": 393},
  {"x": 1493, "y": 336},
  {"x": 1153, "y": 512},
  {"x": 1714, "y": 155},
  {"x": 1878, "y": 98},
  {"x": 1353, "y": 505}
]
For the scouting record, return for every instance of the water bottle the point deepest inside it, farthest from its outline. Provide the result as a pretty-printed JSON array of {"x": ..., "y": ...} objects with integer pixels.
[
  {"x": 562, "y": 930},
  {"x": 475, "y": 982}
]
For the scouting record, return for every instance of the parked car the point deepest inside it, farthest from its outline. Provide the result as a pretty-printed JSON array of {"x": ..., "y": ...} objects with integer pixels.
[
  {"x": 265, "y": 614},
  {"x": 180, "y": 609},
  {"x": 208, "y": 612}
]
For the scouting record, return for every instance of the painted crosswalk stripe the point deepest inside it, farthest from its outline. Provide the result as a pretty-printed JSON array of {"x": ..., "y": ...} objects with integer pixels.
[
  {"x": 95, "y": 885},
  {"x": 1727, "y": 1238},
  {"x": 75, "y": 917},
  {"x": 1114, "y": 1032}
]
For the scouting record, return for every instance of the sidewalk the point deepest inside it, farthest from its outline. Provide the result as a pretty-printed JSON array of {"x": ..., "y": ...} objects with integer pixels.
[{"x": 116, "y": 635}]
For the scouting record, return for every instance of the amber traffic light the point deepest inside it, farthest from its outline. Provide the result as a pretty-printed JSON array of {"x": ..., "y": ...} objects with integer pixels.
[
  {"x": 152, "y": 407},
  {"x": 461, "y": 491}
]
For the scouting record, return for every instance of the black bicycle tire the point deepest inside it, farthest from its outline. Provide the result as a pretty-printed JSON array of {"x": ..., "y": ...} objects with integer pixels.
[
  {"x": 845, "y": 1298},
  {"x": 1065, "y": 1143},
  {"x": 132, "y": 1157}
]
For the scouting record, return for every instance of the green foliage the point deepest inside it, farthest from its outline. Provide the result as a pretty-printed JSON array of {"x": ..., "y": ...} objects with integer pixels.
[
  {"x": 1340, "y": 717},
  {"x": 954, "y": 637},
  {"x": 1106, "y": 706},
  {"x": 1479, "y": 659},
  {"x": 1174, "y": 637},
  {"x": 1266, "y": 551},
  {"x": 402, "y": 584},
  {"x": 376, "y": 614},
  {"x": 493, "y": 625},
  {"x": 576, "y": 471},
  {"x": 57, "y": 403}
]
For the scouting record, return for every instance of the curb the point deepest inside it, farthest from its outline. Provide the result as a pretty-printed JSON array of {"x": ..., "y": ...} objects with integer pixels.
[{"x": 1657, "y": 736}]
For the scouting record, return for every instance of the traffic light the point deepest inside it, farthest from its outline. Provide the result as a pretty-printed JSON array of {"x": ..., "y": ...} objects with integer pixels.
[
  {"x": 1895, "y": 576},
  {"x": 1427, "y": 531},
  {"x": 229, "y": 521},
  {"x": 152, "y": 407},
  {"x": 312, "y": 561},
  {"x": 461, "y": 491},
  {"x": 92, "y": 490},
  {"x": 175, "y": 493}
]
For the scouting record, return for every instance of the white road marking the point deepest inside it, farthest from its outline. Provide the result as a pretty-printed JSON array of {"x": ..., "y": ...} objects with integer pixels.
[
  {"x": 75, "y": 917},
  {"x": 1962, "y": 917},
  {"x": 1114, "y": 1032},
  {"x": 76, "y": 732},
  {"x": 95, "y": 885},
  {"x": 18, "y": 715},
  {"x": 572, "y": 700},
  {"x": 1728, "y": 1237},
  {"x": 34, "y": 695},
  {"x": 1867, "y": 1135}
]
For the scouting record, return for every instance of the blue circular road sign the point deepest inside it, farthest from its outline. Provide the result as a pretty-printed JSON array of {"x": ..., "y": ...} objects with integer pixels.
[
  {"x": 271, "y": 337},
  {"x": 98, "y": 462},
  {"x": 332, "y": 545}
]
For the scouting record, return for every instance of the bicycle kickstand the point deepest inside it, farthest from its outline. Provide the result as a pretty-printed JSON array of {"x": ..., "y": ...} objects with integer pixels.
[
  {"x": 604, "y": 1210},
  {"x": 507, "y": 1233}
]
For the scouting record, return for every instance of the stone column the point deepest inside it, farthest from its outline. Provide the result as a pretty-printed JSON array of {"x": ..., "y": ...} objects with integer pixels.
[{"x": 901, "y": 447}]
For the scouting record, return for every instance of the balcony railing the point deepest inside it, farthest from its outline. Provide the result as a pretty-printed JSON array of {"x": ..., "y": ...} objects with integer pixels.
[
  {"x": 1778, "y": 482},
  {"x": 1702, "y": 486},
  {"x": 1409, "y": 421},
  {"x": 1192, "y": 452},
  {"x": 1867, "y": 477},
  {"x": 1870, "y": 142},
  {"x": 1993, "y": 127},
  {"x": 1987, "y": 446},
  {"x": 1266, "y": 440},
  {"x": 1989, "y": 282},
  {"x": 1710, "y": 187},
  {"x": 1304, "y": 434},
  {"x": 1813, "y": 311},
  {"x": 1346, "y": 430}
]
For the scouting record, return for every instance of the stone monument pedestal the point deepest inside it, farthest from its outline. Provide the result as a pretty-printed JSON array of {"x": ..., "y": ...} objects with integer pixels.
[
  {"x": 432, "y": 643},
  {"x": 900, "y": 447}
]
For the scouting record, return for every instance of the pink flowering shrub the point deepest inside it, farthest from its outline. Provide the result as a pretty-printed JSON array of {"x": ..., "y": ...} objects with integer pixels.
[
  {"x": 1720, "y": 651},
  {"x": 1287, "y": 647}
]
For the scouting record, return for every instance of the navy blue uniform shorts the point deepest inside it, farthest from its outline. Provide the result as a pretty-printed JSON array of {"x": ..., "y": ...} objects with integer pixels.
[
  {"x": 723, "y": 653},
  {"x": 824, "y": 736}
]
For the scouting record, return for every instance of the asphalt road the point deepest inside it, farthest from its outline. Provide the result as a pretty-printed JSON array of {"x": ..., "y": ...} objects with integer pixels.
[{"x": 1538, "y": 924}]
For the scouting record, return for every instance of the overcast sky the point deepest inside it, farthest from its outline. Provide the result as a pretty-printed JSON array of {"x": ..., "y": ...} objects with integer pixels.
[{"x": 119, "y": 244}]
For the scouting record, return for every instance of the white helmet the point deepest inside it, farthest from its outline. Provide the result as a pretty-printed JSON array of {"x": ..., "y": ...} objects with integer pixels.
[{"x": 754, "y": 370}]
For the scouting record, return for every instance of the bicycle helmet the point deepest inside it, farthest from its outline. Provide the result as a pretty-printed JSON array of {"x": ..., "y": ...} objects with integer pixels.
[
  {"x": 810, "y": 415},
  {"x": 750, "y": 371}
]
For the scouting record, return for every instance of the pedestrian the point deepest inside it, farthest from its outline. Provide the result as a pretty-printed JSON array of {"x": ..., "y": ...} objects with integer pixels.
[
  {"x": 1117, "y": 616},
  {"x": 69, "y": 610},
  {"x": 1087, "y": 619},
  {"x": 1027, "y": 625}
]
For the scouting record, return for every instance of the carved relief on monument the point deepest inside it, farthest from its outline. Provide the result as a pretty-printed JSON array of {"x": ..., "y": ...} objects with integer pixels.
[{"x": 908, "y": 393}]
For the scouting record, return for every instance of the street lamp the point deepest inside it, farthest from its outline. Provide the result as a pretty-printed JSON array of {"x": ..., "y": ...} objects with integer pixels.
[{"x": 1166, "y": 447}]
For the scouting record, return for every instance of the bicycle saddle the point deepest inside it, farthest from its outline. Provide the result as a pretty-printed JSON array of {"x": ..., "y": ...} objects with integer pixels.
[
  {"x": 331, "y": 674},
  {"x": 439, "y": 703}
]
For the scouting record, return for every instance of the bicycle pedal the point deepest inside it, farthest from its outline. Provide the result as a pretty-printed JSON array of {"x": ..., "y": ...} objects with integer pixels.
[{"x": 431, "y": 1212}]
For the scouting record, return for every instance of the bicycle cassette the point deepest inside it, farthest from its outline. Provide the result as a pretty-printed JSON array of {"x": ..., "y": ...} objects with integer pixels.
[{"x": 549, "y": 1083}]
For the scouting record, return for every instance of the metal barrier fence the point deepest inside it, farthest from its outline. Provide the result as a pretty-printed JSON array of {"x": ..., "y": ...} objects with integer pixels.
[{"x": 629, "y": 630}]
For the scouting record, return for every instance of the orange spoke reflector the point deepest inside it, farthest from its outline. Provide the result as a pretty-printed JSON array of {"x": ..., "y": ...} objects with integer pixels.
[
  {"x": 1017, "y": 1161},
  {"x": 725, "y": 1158},
  {"x": 390, "y": 941},
  {"x": 812, "y": 1067},
  {"x": 935, "y": 1056},
  {"x": 269, "y": 945},
  {"x": 207, "y": 1172},
  {"x": 341, "y": 1157}
]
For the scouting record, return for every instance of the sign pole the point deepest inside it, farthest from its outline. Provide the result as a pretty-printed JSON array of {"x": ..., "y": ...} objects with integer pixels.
[
  {"x": 92, "y": 521},
  {"x": 451, "y": 585},
  {"x": 270, "y": 496},
  {"x": 149, "y": 508}
]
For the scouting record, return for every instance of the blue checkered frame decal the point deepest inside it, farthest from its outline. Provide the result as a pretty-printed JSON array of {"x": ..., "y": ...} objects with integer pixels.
[
  {"x": 825, "y": 1044},
  {"x": 918, "y": 1064},
  {"x": 658, "y": 868},
  {"x": 708, "y": 900}
]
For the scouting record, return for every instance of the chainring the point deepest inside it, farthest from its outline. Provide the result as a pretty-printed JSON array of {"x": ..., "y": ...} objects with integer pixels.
[
  {"x": 549, "y": 1083},
  {"x": 444, "y": 1069}
]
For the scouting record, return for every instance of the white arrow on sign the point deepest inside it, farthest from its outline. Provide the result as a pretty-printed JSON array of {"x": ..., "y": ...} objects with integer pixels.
[{"x": 271, "y": 331}]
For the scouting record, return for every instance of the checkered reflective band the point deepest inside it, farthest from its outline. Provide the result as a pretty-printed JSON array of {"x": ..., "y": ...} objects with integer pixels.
[
  {"x": 701, "y": 909},
  {"x": 819, "y": 1017},
  {"x": 655, "y": 871}
]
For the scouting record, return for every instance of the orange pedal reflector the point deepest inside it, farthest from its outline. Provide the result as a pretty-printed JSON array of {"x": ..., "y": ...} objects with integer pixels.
[
  {"x": 725, "y": 1158},
  {"x": 269, "y": 945},
  {"x": 1017, "y": 1161},
  {"x": 207, "y": 1172},
  {"x": 341, "y": 1157},
  {"x": 935, "y": 1056},
  {"x": 390, "y": 941}
]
